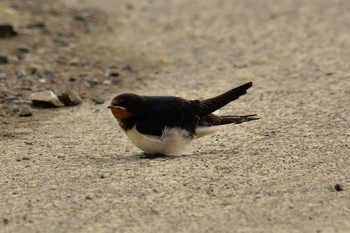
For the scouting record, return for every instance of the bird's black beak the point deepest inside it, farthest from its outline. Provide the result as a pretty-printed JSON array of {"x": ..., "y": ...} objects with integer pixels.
[{"x": 113, "y": 106}]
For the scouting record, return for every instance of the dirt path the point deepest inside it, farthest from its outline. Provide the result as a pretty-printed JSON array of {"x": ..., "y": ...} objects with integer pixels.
[{"x": 77, "y": 172}]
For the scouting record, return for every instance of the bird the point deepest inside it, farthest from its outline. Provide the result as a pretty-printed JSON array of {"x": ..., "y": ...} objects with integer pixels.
[{"x": 167, "y": 125}]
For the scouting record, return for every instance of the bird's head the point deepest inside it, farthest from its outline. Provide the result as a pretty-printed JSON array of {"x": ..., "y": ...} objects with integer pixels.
[{"x": 126, "y": 105}]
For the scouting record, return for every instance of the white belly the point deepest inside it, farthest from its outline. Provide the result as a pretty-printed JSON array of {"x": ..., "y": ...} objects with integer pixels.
[{"x": 174, "y": 141}]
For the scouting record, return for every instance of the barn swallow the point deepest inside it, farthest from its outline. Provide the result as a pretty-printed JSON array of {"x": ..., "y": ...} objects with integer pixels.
[{"x": 168, "y": 124}]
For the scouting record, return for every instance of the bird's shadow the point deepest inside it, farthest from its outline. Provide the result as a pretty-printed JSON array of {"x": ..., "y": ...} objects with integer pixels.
[
  {"x": 133, "y": 158},
  {"x": 156, "y": 156}
]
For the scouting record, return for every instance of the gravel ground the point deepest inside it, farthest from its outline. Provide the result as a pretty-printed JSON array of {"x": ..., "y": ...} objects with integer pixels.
[{"x": 73, "y": 169}]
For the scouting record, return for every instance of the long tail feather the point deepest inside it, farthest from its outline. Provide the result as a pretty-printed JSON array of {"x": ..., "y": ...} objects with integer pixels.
[
  {"x": 210, "y": 105},
  {"x": 237, "y": 119},
  {"x": 213, "y": 120}
]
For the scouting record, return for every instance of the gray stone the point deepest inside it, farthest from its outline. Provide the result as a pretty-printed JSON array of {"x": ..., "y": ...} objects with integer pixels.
[
  {"x": 23, "y": 49},
  {"x": 113, "y": 74},
  {"x": 25, "y": 111},
  {"x": 70, "y": 98},
  {"x": 115, "y": 80},
  {"x": 82, "y": 16},
  {"x": 22, "y": 101},
  {"x": 92, "y": 82},
  {"x": 112, "y": 71},
  {"x": 2, "y": 76},
  {"x": 98, "y": 99},
  {"x": 45, "y": 99},
  {"x": 42, "y": 73}
]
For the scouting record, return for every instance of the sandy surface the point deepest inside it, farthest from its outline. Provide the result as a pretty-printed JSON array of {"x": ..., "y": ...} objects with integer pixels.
[{"x": 77, "y": 172}]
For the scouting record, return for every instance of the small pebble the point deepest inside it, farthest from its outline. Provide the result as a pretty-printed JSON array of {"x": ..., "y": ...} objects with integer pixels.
[
  {"x": 82, "y": 16},
  {"x": 115, "y": 80},
  {"x": 128, "y": 68},
  {"x": 5, "y": 221},
  {"x": 112, "y": 71},
  {"x": 339, "y": 187},
  {"x": 66, "y": 34},
  {"x": 107, "y": 82},
  {"x": 98, "y": 99},
  {"x": 3, "y": 59},
  {"x": 2, "y": 76},
  {"x": 23, "y": 49},
  {"x": 74, "y": 61},
  {"x": 36, "y": 25},
  {"x": 7, "y": 31},
  {"x": 92, "y": 82}
]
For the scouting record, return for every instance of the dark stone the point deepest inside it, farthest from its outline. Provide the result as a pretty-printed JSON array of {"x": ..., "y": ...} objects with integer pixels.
[
  {"x": 70, "y": 98},
  {"x": 36, "y": 25},
  {"x": 338, "y": 187},
  {"x": 5, "y": 221},
  {"x": 7, "y": 31},
  {"x": 129, "y": 7},
  {"x": 23, "y": 49},
  {"x": 3, "y": 59},
  {"x": 40, "y": 26}
]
